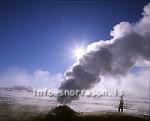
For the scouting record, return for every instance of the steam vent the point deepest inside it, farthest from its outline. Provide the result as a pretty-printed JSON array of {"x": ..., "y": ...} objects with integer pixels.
[{"x": 62, "y": 110}]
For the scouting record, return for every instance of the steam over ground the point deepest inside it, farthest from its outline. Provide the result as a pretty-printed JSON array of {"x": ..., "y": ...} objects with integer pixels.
[{"x": 110, "y": 58}]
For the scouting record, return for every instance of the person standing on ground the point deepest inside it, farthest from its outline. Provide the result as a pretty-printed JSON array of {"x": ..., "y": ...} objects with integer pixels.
[{"x": 121, "y": 104}]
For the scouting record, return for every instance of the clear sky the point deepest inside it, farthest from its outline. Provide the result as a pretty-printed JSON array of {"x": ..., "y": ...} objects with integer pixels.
[{"x": 37, "y": 34}]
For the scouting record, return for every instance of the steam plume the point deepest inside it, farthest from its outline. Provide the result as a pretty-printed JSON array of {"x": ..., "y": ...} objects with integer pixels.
[{"x": 130, "y": 43}]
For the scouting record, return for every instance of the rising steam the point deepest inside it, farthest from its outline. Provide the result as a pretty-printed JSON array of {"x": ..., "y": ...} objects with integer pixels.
[{"x": 130, "y": 43}]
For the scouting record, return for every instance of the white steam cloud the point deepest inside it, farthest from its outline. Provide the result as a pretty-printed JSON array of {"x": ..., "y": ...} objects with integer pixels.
[
  {"x": 39, "y": 79},
  {"x": 112, "y": 58}
]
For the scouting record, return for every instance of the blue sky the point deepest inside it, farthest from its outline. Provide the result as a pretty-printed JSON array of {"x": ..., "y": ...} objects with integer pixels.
[{"x": 37, "y": 34}]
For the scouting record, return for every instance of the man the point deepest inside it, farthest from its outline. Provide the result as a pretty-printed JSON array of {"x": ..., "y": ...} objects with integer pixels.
[{"x": 121, "y": 104}]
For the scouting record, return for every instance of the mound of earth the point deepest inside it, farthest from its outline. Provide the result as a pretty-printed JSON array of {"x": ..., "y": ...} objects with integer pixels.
[{"x": 63, "y": 110}]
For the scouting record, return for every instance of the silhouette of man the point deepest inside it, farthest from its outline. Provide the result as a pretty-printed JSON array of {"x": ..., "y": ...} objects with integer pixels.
[{"x": 121, "y": 104}]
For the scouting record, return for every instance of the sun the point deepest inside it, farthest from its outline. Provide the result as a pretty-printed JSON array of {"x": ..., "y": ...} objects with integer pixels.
[{"x": 79, "y": 52}]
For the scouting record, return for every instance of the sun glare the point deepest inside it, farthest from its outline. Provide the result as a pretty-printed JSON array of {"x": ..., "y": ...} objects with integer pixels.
[{"x": 79, "y": 52}]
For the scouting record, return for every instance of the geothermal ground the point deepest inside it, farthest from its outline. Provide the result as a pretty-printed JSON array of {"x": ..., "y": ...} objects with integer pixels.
[{"x": 23, "y": 105}]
